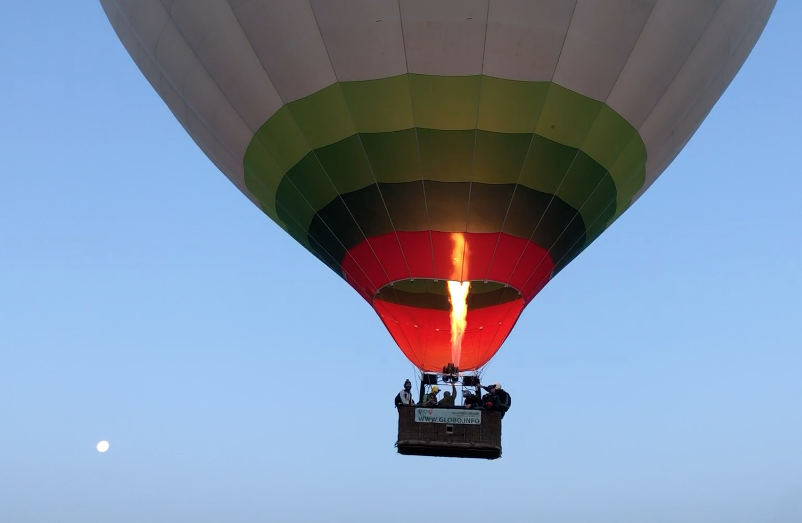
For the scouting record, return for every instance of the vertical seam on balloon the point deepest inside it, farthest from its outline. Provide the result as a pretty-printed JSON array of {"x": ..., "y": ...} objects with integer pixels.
[
  {"x": 475, "y": 140},
  {"x": 578, "y": 211},
  {"x": 725, "y": 83},
  {"x": 314, "y": 153},
  {"x": 350, "y": 114},
  {"x": 517, "y": 182},
  {"x": 411, "y": 346},
  {"x": 493, "y": 339},
  {"x": 188, "y": 108},
  {"x": 679, "y": 69},
  {"x": 162, "y": 76},
  {"x": 670, "y": 83},
  {"x": 362, "y": 145},
  {"x": 565, "y": 38},
  {"x": 551, "y": 275},
  {"x": 579, "y": 214},
  {"x": 587, "y": 227},
  {"x": 648, "y": 183},
  {"x": 568, "y": 170},
  {"x": 755, "y": 18},
  {"x": 300, "y": 227},
  {"x": 215, "y": 138},
  {"x": 286, "y": 174},
  {"x": 640, "y": 35},
  {"x": 545, "y": 212},
  {"x": 545, "y": 101},
  {"x": 632, "y": 175},
  {"x": 417, "y": 142}
]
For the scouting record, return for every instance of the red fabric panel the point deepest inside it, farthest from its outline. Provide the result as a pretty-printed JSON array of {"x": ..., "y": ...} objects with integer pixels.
[
  {"x": 390, "y": 256},
  {"x": 480, "y": 248},
  {"x": 534, "y": 258},
  {"x": 418, "y": 252},
  {"x": 508, "y": 252},
  {"x": 357, "y": 278},
  {"x": 424, "y": 335},
  {"x": 473, "y": 252},
  {"x": 445, "y": 252},
  {"x": 539, "y": 278}
]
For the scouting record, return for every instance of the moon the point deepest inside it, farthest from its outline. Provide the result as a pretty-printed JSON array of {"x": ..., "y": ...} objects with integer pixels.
[{"x": 103, "y": 446}]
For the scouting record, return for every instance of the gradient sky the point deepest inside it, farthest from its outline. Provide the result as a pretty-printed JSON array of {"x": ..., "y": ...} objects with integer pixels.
[{"x": 145, "y": 301}]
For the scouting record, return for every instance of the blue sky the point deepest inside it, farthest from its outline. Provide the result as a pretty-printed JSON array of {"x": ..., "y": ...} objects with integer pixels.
[{"x": 145, "y": 301}]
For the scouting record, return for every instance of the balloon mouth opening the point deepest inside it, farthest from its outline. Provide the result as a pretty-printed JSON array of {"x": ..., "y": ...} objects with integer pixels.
[
  {"x": 421, "y": 318},
  {"x": 434, "y": 294}
]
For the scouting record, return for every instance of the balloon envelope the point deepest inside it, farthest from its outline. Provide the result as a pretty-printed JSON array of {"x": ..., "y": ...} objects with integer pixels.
[{"x": 406, "y": 143}]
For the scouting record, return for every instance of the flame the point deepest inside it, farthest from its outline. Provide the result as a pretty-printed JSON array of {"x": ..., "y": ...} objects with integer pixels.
[
  {"x": 458, "y": 256},
  {"x": 458, "y": 294}
]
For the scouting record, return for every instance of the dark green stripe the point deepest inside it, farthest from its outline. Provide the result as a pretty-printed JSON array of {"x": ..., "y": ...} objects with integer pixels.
[
  {"x": 481, "y": 295},
  {"x": 448, "y": 156},
  {"x": 547, "y": 220}
]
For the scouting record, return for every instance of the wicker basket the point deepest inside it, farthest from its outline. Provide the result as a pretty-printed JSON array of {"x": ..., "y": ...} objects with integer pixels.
[{"x": 441, "y": 439}]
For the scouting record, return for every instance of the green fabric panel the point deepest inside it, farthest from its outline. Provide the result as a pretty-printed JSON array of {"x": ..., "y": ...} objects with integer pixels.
[
  {"x": 585, "y": 179},
  {"x": 608, "y": 137},
  {"x": 622, "y": 203},
  {"x": 629, "y": 170},
  {"x": 352, "y": 134},
  {"x": 445, "y": 102},
  {"x": 509, "y": 106},
  {"x": 262, "y": 176},
  {"x": 346, "y": 165},
  {"x": 273, "y": 215},
  {"x": 445, "y": 146},
  {"x": 620, "y": 209},
  {"x": 620, "y": 206},
  {"x": 629, "y": 188},
  {"x": 266, "y": 198},
  {"x": 421, "y": 286},
  {"x": 599, "y": 209},
  {"x": 312, "y": 182},
  {"x": 302, "y": 237},
  {"x": 323, "y": 117},
  {"x": 446, "y": 156},
  {"x": 393, "y": 156},
  {"x": 634, "y": 184},
  {"x": 499, "y": 157},
  {"x": 567, "y": 117},
  {"x": 293, "y": 210},
  {"x": 595, "y": 229},
  {"x": 379, "y": 106},
  {"x": 282, "y": 138},
  {"x": 547, "y": 164}
]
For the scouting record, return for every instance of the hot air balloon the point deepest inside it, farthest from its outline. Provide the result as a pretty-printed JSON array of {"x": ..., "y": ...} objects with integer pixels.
[{"x": 446, "y": 158}]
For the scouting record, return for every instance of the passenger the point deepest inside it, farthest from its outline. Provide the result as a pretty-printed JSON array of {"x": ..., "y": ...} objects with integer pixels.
[
  {"x": 404, "y": 398},
  {"x": 471, "y": 400},
  {"x": 449, "y": 397},
  {"x": 431, "y": 399},
  {"x": 505, "y": 400},
  {"x": 497, "y": 398},
  {"x": 491, "y": 401}
]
